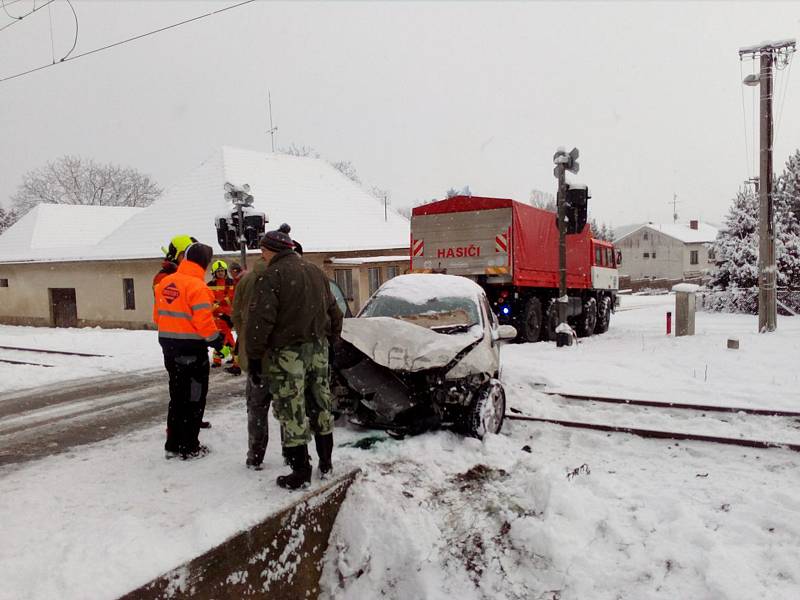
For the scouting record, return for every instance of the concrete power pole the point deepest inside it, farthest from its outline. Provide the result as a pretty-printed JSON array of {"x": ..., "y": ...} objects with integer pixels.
[{"x": 767, "y": 267}]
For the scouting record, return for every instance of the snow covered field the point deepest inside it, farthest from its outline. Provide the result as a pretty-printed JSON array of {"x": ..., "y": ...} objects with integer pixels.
[
  {"x": 537, "y": 512},
  {"x": 123, "y": 351}
]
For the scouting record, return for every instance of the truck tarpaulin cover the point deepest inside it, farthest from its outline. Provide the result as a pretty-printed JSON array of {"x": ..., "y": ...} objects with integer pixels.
[{"x": 534, "y": 247}]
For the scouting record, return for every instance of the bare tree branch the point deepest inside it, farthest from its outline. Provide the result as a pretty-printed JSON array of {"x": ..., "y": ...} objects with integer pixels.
[{"x": 73, "y": 180}]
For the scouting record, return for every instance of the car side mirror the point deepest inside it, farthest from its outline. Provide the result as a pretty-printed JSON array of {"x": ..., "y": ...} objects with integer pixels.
[{"x": 506, "y": 332}]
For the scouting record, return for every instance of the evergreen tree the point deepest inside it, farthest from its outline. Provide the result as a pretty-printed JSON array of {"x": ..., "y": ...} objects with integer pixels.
[
  {"x": 736, "y": 248},
  {"x": 789, "y": 184}
]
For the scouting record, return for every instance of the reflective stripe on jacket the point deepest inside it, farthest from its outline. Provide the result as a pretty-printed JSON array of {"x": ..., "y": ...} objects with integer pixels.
[
  {"x": 183, "y": 305},
  {"x": 223, "y": 295}
]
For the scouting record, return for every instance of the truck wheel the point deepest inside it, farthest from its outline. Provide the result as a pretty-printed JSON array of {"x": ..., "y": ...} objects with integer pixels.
[
  {"x": 531, "y": 322},
  {"x": 603, "y": 315},
  {"x": 588, "y": 319},
  {"x": 550, "y": 322},
  {"x": 487, "y": 411}
]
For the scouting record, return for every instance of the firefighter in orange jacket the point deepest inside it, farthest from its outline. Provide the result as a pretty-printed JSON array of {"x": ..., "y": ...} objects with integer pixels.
[
  {"x": 183, "y": 314},
  {"x": 222, "y": 287}
]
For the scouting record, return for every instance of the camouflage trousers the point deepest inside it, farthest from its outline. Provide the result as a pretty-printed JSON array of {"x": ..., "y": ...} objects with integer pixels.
[{"x": 298, "y": 381}]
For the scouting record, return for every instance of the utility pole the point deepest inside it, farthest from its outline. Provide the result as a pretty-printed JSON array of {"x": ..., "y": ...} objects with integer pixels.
[
  {"x": 272, "y": 128},
  {"x": 767, "y": 268},
  {"x": 564, "y": 162}
]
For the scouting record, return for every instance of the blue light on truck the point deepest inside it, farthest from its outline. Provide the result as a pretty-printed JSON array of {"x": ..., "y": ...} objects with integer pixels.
[{"x": 505, "y": 310}]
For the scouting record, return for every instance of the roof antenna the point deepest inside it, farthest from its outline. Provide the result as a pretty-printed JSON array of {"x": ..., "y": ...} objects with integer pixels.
[
  {"x": 674, "y": 203},
  {"x": 272, "y": 128}
]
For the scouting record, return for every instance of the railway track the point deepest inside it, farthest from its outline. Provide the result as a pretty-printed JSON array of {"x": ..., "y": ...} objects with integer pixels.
[
  {"x": 518, "y": 415},
  {"x": 42, "y": 351}
]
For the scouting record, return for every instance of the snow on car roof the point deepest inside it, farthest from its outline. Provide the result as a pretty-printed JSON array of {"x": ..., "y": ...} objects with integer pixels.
[{"x": 420, "y": 287}]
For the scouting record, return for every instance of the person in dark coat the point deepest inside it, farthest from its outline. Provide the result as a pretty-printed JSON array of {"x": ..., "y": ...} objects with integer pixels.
[{"x": 291, "y": 314}]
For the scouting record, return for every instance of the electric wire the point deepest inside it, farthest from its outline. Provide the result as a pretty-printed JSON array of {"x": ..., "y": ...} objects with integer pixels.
[
  {"x": 786, "y": 79},
  {"x": 5, "y": 9},
  {"x": 75, "y": 41},
  {"x": 27, "y": 14},
  {"x": 125, "y": 41},
  {"x": 753, "y": 161},
  {"x": 52, "y": 44},
  {"x": 744, "y": 123}
]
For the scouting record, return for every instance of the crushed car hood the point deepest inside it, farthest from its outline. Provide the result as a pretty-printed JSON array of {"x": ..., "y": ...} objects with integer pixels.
[{"x": 403, "y": 346}]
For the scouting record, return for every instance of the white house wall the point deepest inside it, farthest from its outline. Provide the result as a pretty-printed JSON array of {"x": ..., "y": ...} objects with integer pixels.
[
  {"x": 99, "y": 291},
  {"x": 98, "y": 286},
  {"x": 672, "y": 256},
  {"x": 669, "y": 259}
]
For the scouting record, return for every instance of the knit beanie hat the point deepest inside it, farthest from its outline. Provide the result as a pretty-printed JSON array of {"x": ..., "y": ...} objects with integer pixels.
[
  {"x": 278, "y": 239},
  {"x": 200, "y": 254}
]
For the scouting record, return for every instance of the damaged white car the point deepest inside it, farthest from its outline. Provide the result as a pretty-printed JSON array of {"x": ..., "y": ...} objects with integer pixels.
[{"x": 423, "y": 353}]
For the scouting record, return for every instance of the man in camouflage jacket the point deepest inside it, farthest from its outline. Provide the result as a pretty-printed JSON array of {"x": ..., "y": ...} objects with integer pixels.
[{"x": 290, "y": 315}]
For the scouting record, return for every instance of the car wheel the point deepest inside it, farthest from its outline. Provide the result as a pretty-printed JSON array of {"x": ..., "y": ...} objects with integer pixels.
[
  {"x": 488, "y": 410},
  {"x": 531, "y": 325},
  {"x": 588, "y": 319},
  {"x": 603, "y": 315}
]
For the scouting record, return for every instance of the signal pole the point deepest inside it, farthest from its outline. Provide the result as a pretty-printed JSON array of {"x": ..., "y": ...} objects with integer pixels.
[
  {"x": 564, "y": 162},
  {"x": 767, "y": 268}
]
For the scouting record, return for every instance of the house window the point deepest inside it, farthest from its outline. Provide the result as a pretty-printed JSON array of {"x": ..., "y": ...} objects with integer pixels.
[
  {"x": 693, "y": 260},
  {"x": 129, "y": 296},
  {"x": 646, "y": 255},
  {"x": 711, "y": 255},
  {"x": 344, "y": 279},
  {"x": 392, "y": 271},
  {"x": 653, "y": 255},
  {"x": 374, "y": 279},
  {"x": 645, "y": 236},
  {"x": 3, "y": 282}
]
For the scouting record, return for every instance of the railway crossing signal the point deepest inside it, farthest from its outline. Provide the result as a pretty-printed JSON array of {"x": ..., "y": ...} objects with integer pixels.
[{"x": 571, "y": 202}]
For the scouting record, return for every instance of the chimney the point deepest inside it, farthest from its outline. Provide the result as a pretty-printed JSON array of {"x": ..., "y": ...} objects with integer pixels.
[{"x": 693, "y": 224}]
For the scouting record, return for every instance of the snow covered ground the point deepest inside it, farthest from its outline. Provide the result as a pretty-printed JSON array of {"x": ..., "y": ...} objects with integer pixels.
[
  {"x": 539, "y": 511},
  {"x": 123, "y": 351}
]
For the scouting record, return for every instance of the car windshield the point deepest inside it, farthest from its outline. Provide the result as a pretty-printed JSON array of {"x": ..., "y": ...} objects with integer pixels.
[{"x": 446, "y": 314}]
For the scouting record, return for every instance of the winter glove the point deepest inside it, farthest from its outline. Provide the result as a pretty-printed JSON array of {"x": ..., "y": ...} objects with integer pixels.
[
  {"x": 217, "y": 343},
  {"x": 227, "y": 319},
  {"x": 254, "y": 371}
]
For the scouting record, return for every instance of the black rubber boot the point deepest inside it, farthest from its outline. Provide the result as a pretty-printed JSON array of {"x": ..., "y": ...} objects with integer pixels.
[
  {"x": 324, "y": 444},
  {"x": 301, "y": 469}
]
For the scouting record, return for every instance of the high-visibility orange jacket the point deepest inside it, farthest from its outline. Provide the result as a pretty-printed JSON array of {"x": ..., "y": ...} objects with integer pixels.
[
  {"x": 183, "y": 310},
  {"x": 223, "y": 290}
]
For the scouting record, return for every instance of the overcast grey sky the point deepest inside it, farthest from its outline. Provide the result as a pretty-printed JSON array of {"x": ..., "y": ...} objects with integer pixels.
[{"x": 419, "y": 96}]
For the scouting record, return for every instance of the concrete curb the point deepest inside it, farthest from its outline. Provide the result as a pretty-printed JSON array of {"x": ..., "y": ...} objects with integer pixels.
[{"x": 281, "y": 557}]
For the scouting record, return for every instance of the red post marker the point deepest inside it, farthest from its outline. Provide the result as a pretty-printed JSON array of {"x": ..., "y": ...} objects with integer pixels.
[{"x": 669, "y": 322}]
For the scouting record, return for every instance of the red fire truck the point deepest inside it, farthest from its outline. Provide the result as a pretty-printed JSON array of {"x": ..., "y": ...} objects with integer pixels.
[{"x": 511, "y": 250}]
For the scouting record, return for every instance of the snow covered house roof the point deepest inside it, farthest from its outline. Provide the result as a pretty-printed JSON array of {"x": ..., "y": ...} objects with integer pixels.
[
  {"x": 60, "y": 231},
  {"x": 681, "y": 232},
  {"x": 327, "y": 211}
]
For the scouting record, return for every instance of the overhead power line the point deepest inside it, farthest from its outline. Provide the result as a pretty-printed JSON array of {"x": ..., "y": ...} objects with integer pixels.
[
  {"x": 18, "y": 18},
  {"x": 125, "y": 41}
]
